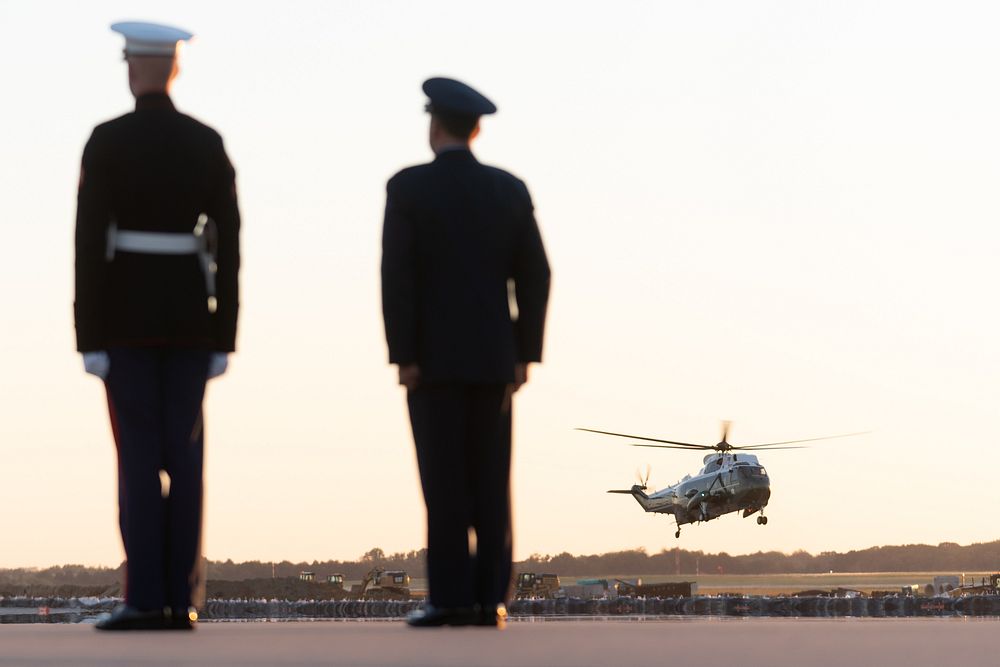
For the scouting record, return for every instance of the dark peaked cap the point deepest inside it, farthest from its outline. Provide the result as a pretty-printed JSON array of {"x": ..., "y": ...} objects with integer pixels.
[{"x": 451, "y": 96}]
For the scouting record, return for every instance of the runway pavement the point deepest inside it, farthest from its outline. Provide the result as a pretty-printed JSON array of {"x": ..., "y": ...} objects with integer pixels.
[{"x": 701, "y": 642}]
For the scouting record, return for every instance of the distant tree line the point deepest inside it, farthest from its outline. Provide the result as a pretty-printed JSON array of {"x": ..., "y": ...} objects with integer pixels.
[
  {"x": 945, "y": 557},
  {"x": 61, "y": 580},
  {"x": 414, "y": 562},
  {"x": 76, "y": 575}
]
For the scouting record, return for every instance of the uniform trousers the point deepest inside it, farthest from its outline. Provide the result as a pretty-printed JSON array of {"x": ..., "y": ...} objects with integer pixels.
[
  {"x": 155, "y": 398},
  {"x": 462, "y": 434}
]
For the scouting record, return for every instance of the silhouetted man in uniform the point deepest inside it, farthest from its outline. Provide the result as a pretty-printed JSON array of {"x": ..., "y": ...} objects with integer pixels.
[
  {"x": 458, "y": 236},
  {"x": 157, "y": 256}
]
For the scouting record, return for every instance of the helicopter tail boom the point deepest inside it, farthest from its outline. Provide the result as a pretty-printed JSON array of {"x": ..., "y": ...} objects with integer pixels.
[{"x": 638, "y": 492}]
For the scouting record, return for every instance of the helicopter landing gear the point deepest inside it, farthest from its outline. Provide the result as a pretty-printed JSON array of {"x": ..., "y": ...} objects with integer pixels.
[
  {"x": 762, "y": 520},
  {"x": 678, "y": 533}
]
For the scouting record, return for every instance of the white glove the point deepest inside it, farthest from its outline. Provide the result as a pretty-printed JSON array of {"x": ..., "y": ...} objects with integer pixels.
[
  {"x": 97, "y": 363},
  {"x": 217, "y": 364}
]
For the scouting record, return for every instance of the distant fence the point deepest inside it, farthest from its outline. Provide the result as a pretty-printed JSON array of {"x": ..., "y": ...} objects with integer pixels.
[
  {"x": 984, "y": 605},
  {"x": 62, "y": 610},
  {"x": 306, "y": 609}
]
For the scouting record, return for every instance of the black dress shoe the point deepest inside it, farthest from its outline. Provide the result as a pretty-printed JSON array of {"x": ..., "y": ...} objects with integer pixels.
[
  {"x": 180, "y": 619},
  {"x": 434, "y": 617},
  {"x": 130, "y": 618}
]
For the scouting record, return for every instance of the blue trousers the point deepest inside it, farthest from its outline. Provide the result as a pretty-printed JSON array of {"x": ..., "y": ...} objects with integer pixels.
[
  {"x": 155, "y": 397},
  {"x": 462, "y": 436}
]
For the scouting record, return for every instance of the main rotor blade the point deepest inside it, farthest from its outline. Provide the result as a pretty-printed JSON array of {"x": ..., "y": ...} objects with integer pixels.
[
  {"x": 792, "y": 442},
  {"x": 764, "y": 449},
  {"x": 725, "y": 430},
  {"x": 620, "y": 491},
  {"x": 639, "y": 437},
  {"x": 687, "y": 448}
]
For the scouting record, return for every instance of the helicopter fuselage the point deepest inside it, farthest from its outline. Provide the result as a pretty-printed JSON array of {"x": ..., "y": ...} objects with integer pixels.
[{"x": 728, "y": 482}]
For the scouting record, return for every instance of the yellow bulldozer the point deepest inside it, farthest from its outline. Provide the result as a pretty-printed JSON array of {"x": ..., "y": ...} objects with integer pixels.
[
  {"x": 531, "y": 585},
  {"x": 380, "y": 584}
]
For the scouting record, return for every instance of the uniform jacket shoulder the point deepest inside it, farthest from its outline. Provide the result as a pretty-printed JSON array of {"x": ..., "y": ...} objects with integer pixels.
[
  {"x": 198, "y": 126},
  {"x": 414, "y": 174},
  {"x": 107, "y": 129},
  {"x": 502, "y": 174},
  {"x": 128, "y": 121},
  {"x": 507, "y": 178},
  {"x": 112, "y": 123},
  {"x": 408, "y": 176}
]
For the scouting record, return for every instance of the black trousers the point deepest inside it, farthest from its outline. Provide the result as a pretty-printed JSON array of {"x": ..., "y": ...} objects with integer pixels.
[
  {"x": 462, "y": 436},
  {"x": 155, "y": 397}
]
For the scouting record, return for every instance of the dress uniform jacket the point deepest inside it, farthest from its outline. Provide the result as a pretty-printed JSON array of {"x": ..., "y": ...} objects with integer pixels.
[
  {"x": 456, "y": 234},
  {"x": 154, "y": 170},
  {"x": 456, "y": 231}
]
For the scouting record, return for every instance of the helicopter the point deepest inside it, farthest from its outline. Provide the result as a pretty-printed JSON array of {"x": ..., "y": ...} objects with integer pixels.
[{"x": 730, "y": 480}]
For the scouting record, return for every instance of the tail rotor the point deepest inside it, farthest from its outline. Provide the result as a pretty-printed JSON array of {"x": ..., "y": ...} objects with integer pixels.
[{"x": 643, "y": 480}]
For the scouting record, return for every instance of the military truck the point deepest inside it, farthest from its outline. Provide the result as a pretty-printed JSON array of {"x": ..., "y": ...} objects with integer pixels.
[{"x": 544, "y": 586}]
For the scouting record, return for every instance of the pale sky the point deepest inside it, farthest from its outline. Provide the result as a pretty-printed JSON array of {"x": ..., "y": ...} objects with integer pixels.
[{"x": 779, "y": 213}]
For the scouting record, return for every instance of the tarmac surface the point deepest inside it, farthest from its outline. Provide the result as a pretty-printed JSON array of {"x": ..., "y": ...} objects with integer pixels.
[{"x": 703, "y": 642}]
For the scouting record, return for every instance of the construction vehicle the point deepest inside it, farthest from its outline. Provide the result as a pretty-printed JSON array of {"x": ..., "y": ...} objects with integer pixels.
[
  {"x": 589, "y": 589},
  {"x": 540, "y": 586},
  {"x": 637, "y": 589},
  {"x": 335, "y": 580},
  {"x": 983, "y": 588},
  {"x": 379, "y": 584}
]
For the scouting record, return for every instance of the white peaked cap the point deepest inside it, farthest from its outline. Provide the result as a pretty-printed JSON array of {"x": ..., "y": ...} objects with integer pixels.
[{"x": 150, "y": 39}]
